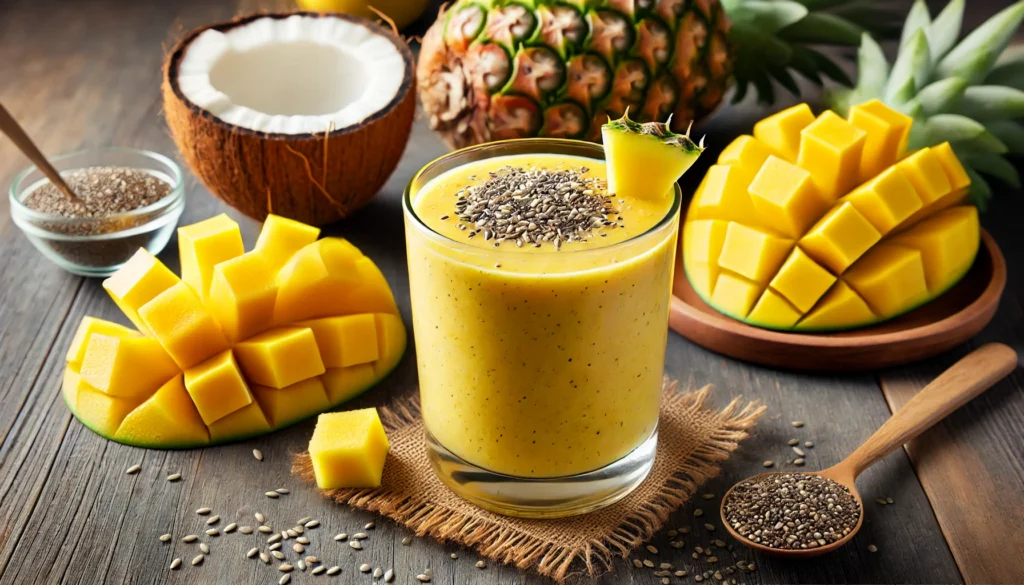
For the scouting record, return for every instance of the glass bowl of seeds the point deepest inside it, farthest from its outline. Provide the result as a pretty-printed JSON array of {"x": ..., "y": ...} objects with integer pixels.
[{"x": 126, "y": 199}]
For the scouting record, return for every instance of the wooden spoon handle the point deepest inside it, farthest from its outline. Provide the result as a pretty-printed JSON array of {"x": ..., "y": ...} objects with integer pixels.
[
  {"x": 13, "y": 130},
  {"x": 968, "y": 378}
]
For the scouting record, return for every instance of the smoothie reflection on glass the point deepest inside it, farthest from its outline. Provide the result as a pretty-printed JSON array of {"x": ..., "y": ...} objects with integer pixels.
[{"x": 540, "y": 308}]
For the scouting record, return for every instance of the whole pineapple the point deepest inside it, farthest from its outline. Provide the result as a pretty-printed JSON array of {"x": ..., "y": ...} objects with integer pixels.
[{"x": 499, "y": 69}]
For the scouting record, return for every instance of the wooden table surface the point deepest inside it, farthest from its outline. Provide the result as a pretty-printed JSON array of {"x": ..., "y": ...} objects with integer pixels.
[{"x": 86, "y": 73}]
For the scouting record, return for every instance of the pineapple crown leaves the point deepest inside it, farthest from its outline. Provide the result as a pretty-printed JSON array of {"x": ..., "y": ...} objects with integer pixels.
[
  {"x": 968, "y": 93},
  {"x": 659, "y": 130}
]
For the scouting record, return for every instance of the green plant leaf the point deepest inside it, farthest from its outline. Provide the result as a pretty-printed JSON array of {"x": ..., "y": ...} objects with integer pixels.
[
  {"x": 785, "y": 79},
  {"x": 804, "y": 64},
  {"x": 817, "y": 26},
  {"x": 1009, "y": 68},
  {"x": 941, "y": 96},
  {"x": 756, "y": 46},
  {"x": 1009, "y": 133},
  {"x": 956, "y": 128},
  {"x": 769, "y": 16},
  {"x": 987, "y": 103},
  {"x": 981, "y": 192},
  {"x": 829, "y": 68},
  {"x": 917, "y": 19},
  {"x": 873, "y": 67},
  {"x": 973, "y": 57},
  {"x": 840, "y": 100},
  {"x": 990, "y": 164},
  {"x": 741, "y": 90},
  {"x": 821, "y": 4},
  {"x": 910, "y": 71},
  {"x": 765, "y": 90},
  {"x": 945, "y": 29}
]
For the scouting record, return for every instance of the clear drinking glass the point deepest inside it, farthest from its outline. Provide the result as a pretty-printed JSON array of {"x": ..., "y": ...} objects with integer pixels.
[{"x": 540, "y": 373}]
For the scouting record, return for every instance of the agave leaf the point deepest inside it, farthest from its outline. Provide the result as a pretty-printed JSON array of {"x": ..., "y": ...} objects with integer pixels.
[
  {"x": 872, "y": 66},
  {"x": 821, "y": 25},
  {"x": 917, "y": 19},
  {"x": 1009, "y": 133},
  {"x": 769, "y": 16},
  {"x": 910, "y": 71},
  {"x": 956, "y": 128},
  {"x": 940, "y": 97},
  {"x": 1009, "y": 68},
  {"x": 945, "y": 29},
  {"x": 981, "y": 192},
  {"x": 828, "y": 68},
  {"x": 974, "y": 56},
  {"x": 990, "y": 164},
  {"x": 988, "y": 103}
]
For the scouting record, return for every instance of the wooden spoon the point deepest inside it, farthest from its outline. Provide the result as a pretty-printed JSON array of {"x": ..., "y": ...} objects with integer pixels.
[
  {"x": 17, "y": 135},
  {"x": 968, "y": 378}
]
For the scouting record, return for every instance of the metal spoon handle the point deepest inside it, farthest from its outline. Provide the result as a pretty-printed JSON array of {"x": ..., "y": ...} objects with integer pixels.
[
  {"x": 968, "y": 378},
  {"x": 17, "y": 135}
]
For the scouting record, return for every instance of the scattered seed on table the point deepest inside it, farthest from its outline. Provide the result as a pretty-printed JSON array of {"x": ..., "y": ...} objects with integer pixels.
[
  {"x": 672, "y": 533},
  {"x": 291, "y": 532},
  {"x": 257, "y": 454},
  {"x": 665, "y": 581},
  {"x": 793, "y": 442},
  {"x": 298, "y": 530},
  {"x": 245, "y": 529},
  {"x": 198, "y": 560},
  {"x": 312, "y": 524},
  {"x": 277, "y": 555},
  {"x": 481, "y": 565},
  {"x": 174, "y": 477},
  {"x": 638, "y": 563},
  {"x": 165, "y": 538},
  {"x": 301, "y": 564},
  {"x": 302, "y": 540},
  {"x": 808, "y": 444},
  {"x": 665, "y": 566},
  {"x": 334, "y": 570},
  {"x": 175, "y": 564},
  {"x": 698, "y": 578},
  {"x": 285, "y": 568},
  {"x": 708, "y": 496},
  {"x": 133, "y": 469},
  {"x": 260, "y": 517},
  {"x": 190, "y": 538},
  {"x": 712, "y": 559},
  {"x": 699, "y": 549},
  {"x": 319, "y": 570},
  {"x": 872, "y": 548},
  {"x": 676, "y": 544},
  {"x": 304, "y": 519},
  {"x": 389, "y": 576},
  {"x": 365, "y": 568},
  {"x": 698, "y": 512},
  {"x": 265, "y": 557},
  {"x": 273, "y": 539},
  {"x": 649, "y": 563},
  {"x": 378, "y": 573},
  {"x": 768, "y": 463},
  {"x": 312, "y": 560},
  {"x": 343, "y": 536},
  {"x": 423, "y": 578},
  {"x": 369, "y": 526},
  {"x": 283, "y": 491},
  {"x": 360, "y": 536},
  {"x": 719, "y": 543},
  {"x": 284, "y": 580},
  {"x": 203, "y": 511},
  {"x": 428, "y": 571},
  {"x": 213, "y": 520},
  {"x": 275, "y": 546},
  {"x": 298, "y": 548},
  {"x": 230, "y": 527},
  {"x": 709, "y": 527},
  {"x": 204, "y": 548},
  {"x": 799, "y": 461},
  {"x": 890, "y": 501},
  {"x": 265, "y": 529},
  {"x": 285, "y": 535},
  {"x": 680, "y": 573},
  {"x": 356, "y": 545},
  {"x": 798, "y": 424},
  {"x": 652, "y": 549},
  {"x": 881, "y": 501},
  {"x": 252, "y": 552},
  {"x": 272, "y": 495},
  {"x": 213, "y": 532},
  {"x": 799, "y": 451}
]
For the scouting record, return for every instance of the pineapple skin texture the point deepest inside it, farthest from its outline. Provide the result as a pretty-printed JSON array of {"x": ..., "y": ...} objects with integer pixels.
[
  {"x": 826, "y": 224},
  {"x": 494, "y": 70}
]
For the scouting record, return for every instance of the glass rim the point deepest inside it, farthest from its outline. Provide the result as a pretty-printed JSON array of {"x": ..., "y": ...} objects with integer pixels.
[{"x": 437, "y": 237}]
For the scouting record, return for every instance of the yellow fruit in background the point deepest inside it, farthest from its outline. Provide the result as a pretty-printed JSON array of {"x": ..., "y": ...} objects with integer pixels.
[
  {"x": 819, "y": 224},
  {"x": 403, "y": 12}
]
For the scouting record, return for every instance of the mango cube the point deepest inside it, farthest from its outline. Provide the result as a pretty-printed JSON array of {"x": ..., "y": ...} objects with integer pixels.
[
  {"x": 774, "y": 312},
  {"x": 247, "y": 421},
  {"x": 111, "y": 365},
  {"x": 349, "y": 449},
  {"x": 745, "y": 151},
  {"x": 280, "y": 357},
  {"x": 345, "y": 341},
  {"x": 87, "y": 328},
  {"x": 781, "y": 131},
  {"x": 242, "y": 294},
  {"x": 840, "y": 238},
  {"x": 702, "y": 245},
  {"x": 101, "y": 411},
  {"x": 343, "y": 384},
  {"x": 802, "y": 281},
  {"x": 136, "y": 283},
  {"x": 948, "y": 242},
  {"x": 753, "y": 254},
  {"x": 887, "y": 132},
  {"x": 734, "y": 295},
  {"x": 281, "y": 238},
  {"x": 831, "y": 149},
  {"x": 167, "y": 419},
  {"x": 887, "y": 200},
  {"x": 723, "y": 195},
  {"x": 69, "y": 387},
  {"x": 702, "y": 277},
  {"x": 925, "y": 171},
  {"x": 840, "y": 307},
  {"x": 391, "y": 340},
  {"x": 955, "y": 172},
  {"x": 284, "y": 406},
  {"x": 204, "y": 245},
  {"x": 890, "y": 278},
  {"x": 784, "y": 195},
  {"x": 183, "y": 326},
  {"x": 217, "y": 387}
]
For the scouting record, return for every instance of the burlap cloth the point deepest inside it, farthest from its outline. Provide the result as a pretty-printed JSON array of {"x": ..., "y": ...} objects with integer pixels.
[{"x": 692, "y": 442}]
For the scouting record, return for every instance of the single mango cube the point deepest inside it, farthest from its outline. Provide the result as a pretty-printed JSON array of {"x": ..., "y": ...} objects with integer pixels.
[
  {"x": 204, "y": 245},
  {"x": 391, "y": 341},
  {"x": 167, "y": 420},
  {"x": 703, "y": 278},
  {"x": 87, "y": 328},
  {"x": 890, "y": 278},
  {"x": 345, "y": 341},
  {"x": 886, "y": 141},
  {"x": 955, "y": 172},
  {"x": 723, "y": 195},
  {"x": 242, "y": 294},
  {"x": 126, "y": 367},
  {"x": 343, "y": 384},
  {"x": 284, "y": 406},
  {"x": 734, "y": 295},
  {"x": 248, "y": 421},
  {"x": 802, "y": 281},
  {"x": 349, "y": 449},
  {"x": 831, "y": 149},
  {"x": 100, "y": 411},
  {"x": 69, "y": 387},
  {"x": 183, "y": 326},
  {"x": 703, "y": 240},
  {"x": 774, "y": 312},
  {"x": 136, "y": 283},
  {"x": 925, "y": 171},
  {"x": 840, "y": 238},
  {"x": 840, "y": 307},
  {"x": 745, "y": 151},
  {"x": 281, "y": 238},
  {"x": 217, "y": 387},
  {"x": 784, "y": 195},
  {"x": 948, "y": 242},
  {"x": 753, "y": 254},
  {"x": 280, "y": 357},
  {"x": 887, "y": 200},
  {"x": 781, "y": 132}
]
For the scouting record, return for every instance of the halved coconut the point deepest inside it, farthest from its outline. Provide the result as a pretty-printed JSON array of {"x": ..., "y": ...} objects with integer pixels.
[{"x": 304, "y": 115}]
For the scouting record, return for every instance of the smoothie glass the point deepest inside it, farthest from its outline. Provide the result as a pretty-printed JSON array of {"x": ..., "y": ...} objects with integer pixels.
[{"x": 540, "y": 370}]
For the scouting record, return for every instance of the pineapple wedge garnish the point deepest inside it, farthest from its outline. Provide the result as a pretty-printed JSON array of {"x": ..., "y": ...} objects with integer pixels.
[{"x": 644, "y": 161}]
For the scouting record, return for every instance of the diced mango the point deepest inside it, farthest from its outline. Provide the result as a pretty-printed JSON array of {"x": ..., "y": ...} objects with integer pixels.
[
  {"x": 102, "y": 412},
  {"x": 802, "y": 281},
  {"x": 204, "y": 245},
  {"x": 87, "y": 328},
  {"x": 167, "y": 419},
  {"x": 69, "y": 388},
  {"x": 745, "y": 151},
  {"x": 217, "y": 387},
  {"x": 349, "y": 449},
  {"x": 948, "y": 242},
  {"x": 774, "y": 312},
  {"x": 925, "y": 171},
  {"x": 284, "y": 406},
  {"x": 781, "y": 132},
  {"x": 280, "y": 357},
  {"x": 887, "y": 132},
  {"x": 841, "y": 307},
  {"x": 112, "y": 365},
  {"x": 136, "y": 283},
  {"x": 391, "y": 341},
  {"x": 247, "y": 421},
  {"x": 831, "y": 149},
  {"x": 703, "y": 240},
  {"x": 281, "y": 238},
  {"x": 890, "y": 278},
  {"x": 784, "y": 195},
  {"x": 887, "y": 200},
  {"x": 955, "y": 172},
  {"x": 344, "y": 384},
  {"x": 702, "y": 278},
  {"x": 242, "y": 294},
  {"x": 753, "y": 254},
  {"x": 723, "y": 195},
  {"x": 327, "y": 278},
  {"x": 734, "y": 295},
  {"x": 183, "y": 326},
  {"x": 345, "y": 341},
  {"x": 840, "y": 238}
]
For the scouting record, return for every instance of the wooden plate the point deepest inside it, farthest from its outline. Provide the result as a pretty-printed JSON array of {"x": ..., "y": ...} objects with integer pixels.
[{"x": 936, "y": 327}]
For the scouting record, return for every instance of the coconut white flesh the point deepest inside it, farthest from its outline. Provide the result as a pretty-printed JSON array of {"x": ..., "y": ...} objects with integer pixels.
[{"x": 297, "y": 75}]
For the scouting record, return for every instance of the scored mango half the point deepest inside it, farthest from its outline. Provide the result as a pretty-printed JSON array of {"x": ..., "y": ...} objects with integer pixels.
[
  {"x": 824, "y": 224},
  {"x": 242, "y": 344}
]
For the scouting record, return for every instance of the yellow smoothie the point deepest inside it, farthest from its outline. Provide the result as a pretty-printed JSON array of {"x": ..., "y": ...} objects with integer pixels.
[{"x": 537, "y": 361}]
